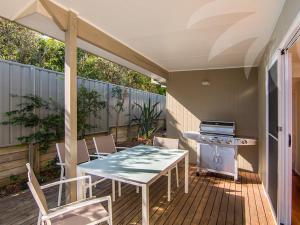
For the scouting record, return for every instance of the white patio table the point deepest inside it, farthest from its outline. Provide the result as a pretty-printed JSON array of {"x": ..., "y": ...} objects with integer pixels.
[{"x": 140, "y": 166}]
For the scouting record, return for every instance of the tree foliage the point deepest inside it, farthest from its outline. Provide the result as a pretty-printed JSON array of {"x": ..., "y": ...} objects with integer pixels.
[
  {"x": 17, "y": 43},
  {"x": 22, "y": 45}
]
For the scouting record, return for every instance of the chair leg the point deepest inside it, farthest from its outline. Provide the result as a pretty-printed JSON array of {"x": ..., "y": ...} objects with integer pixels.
[
  {"x": 119, "y": 189},
  {"x": 169, "y": 185},
  {"x": 177, "y": 177},
  {"x": 60, "y": 188},
  {"x": 137, "y": 189},
  {"x": 110, "y": 212},
  {"x": 39, "y": 222},
  {"x": 47, "y": 222}
]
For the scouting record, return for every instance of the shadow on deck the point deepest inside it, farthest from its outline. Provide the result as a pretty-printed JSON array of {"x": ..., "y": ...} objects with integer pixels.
[{"x": 211, "y": 200}]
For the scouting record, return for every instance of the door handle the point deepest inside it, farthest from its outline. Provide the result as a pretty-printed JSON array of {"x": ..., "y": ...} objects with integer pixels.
[
  {"x": 279, "y": 129},
  {"x": 290, "y": 140}
]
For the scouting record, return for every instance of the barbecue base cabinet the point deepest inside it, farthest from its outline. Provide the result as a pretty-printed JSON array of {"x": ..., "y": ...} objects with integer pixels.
[
  {"x": 217, "y": 147},
  {"x": 217, "y": 159}
]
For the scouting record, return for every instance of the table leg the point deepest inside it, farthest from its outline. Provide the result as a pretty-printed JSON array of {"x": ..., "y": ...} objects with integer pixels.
[
  {"x": 119, "y": 188},
  {"x": 177, "y": 176},
  {"x": 145, "y": 205},
  {"x": 80, "y": 185},
  {"x": 186, "y": 173},
  {"x": 113, "y": 186},
  {"x": 169, "y": 185}
]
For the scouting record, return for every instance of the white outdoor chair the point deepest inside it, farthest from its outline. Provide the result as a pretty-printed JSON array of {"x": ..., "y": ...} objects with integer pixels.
[
  {"x": 168, "y": 143},
  {"x": 82, "y": 156},
  {"x": 87, "y": 211},
  {"x": 105, "y": 145}
]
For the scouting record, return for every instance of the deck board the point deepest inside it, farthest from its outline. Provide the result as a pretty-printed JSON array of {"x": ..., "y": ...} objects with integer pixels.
[
  {"x": 217, "y": 203},
  {"x": 238, "y": 213},
  {"x": 260, "y": 209},
  {"x": 221, "y": 218},
  {"x": 176, "y": 204},
  {"x": 245, "y": 199},
  {"x": 252, "y": 202},
  {"x": 231, "y": 204},
  {"x": 210, "y": 202},
  {"x": 213, "y": 200}
]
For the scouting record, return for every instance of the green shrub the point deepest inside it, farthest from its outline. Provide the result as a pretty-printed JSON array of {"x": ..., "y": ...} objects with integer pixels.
[
  {"x": 148, "y": 119},
  {"x": 87, "y": 102},
  {"x": 45, "y": 129}
]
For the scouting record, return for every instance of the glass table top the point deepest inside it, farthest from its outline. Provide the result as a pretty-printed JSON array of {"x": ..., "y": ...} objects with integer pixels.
[{"x": 138, "y": 164}]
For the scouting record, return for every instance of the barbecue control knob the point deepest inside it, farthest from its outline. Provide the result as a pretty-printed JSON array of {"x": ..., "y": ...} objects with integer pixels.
[
  {"x": 228, "y": 142},
  {"x": 244, "y": 142}
]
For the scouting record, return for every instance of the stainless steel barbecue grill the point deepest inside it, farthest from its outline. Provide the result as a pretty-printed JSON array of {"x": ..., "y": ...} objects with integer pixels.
[
  {"x": 217, "y": 147},
  {"x": 217, "y": 128}
]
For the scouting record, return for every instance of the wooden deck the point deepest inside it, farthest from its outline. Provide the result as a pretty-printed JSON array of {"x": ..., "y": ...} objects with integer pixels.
[
  {"x": 296, "y": 200},
  {"x": 211, "y": 200}
]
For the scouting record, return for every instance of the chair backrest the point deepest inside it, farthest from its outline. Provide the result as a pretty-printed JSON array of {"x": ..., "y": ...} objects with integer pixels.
[
  {"x": 82, "y": 152},
  {"x": 105, "y": 144},
  {"x": 93, "y": 151},
  {"x": 169, "y": 143},
  {"x": 60, "y": 148},
  {"x": 36, "y": 191}
]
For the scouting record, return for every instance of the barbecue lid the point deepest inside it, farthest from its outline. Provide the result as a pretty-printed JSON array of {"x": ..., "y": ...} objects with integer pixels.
[
  {"x": 217, "y": 123},
  {"x": 218, "y": 127}
]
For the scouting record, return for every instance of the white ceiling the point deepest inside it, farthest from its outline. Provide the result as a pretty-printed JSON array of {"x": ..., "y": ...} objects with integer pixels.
[{"x": 176, "y": 34}]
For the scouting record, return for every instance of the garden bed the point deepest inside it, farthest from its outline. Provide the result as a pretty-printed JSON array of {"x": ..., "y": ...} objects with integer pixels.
[{"x": 19, "y": 184}]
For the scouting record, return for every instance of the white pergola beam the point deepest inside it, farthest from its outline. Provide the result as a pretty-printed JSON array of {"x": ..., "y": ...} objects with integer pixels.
[
  {"x": 71, "y": 104},
  {"x": 58, "y": 14},
  {"x": 35, "y": 7},
  {"x": 93, "y": 35},
  {"x": 100, "y": 39}
]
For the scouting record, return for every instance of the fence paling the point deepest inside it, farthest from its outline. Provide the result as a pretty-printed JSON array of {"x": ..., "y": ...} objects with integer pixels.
[{"x": 19, "y": 79}]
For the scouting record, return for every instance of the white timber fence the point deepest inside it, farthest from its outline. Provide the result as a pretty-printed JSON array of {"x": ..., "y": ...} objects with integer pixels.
[{"x": 18, "y": 80}]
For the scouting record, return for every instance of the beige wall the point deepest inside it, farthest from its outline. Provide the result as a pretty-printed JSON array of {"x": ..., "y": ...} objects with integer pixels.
[
  {"x": 289, "y": 12},
  {"x": 231, "y": 96},
  {"x": 296, "y": 125},
  {"x": 294, "y": 55}
]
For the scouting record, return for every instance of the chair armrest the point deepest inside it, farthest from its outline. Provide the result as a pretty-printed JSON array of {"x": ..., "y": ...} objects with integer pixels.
[
  {"x": 75, "y": 205},
  {"x": 60, "y": 164},
  {"x": 96, "y": 156},
  {"x": 103, "y": 153},
  {"x": 67, "y": 181},
  {"x": 121, "y": 148}
]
